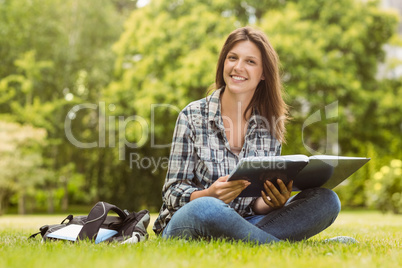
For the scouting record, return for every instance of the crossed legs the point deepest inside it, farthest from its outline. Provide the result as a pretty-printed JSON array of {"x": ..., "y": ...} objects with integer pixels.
[{"x": 303, "y": 216}]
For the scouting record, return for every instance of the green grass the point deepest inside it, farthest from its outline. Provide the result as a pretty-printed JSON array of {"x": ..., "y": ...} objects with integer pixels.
[{"x": 379, "y": 236}]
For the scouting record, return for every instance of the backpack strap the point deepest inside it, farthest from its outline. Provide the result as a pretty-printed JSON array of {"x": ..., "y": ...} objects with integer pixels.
[
  {"x": 33, "y": 235},
  {"x": 96, "y": 217},
  {"x": 42, "y": 231}
]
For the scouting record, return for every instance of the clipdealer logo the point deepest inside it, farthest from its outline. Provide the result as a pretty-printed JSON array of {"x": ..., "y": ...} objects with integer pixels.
[
  {"x": 113, "y": 132},
  {"x": 329, "y": 115},
  {"x": 117, "y": 126}
]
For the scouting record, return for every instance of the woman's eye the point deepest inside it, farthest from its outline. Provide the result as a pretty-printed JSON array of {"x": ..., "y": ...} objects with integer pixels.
[{"x": 231, "y": 57}]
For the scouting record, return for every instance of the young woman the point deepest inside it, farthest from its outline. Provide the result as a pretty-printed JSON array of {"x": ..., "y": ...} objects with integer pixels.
[{"x": 245, "y": 116}]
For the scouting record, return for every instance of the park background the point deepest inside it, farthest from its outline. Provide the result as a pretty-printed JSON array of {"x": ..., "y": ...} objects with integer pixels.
[{"x": 97, "y": 64}]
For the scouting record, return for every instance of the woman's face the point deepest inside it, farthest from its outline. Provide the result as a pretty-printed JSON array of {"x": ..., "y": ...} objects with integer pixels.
[{"x": 242, "y": 70}]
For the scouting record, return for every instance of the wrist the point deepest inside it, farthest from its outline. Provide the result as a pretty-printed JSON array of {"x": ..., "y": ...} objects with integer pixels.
[
  {"x": 207, "y": 192},
  {"x": 199, "y": 193}
]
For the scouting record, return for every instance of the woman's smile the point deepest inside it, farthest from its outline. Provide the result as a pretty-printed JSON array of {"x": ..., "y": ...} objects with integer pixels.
[{"x": 238, "y": 78}]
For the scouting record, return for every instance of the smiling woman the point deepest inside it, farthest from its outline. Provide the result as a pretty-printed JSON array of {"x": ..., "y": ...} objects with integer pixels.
[
  {"x": 242, "y": 71},
  {"x": 269, "y": 86},
  {"x": 244, "y": 117}
]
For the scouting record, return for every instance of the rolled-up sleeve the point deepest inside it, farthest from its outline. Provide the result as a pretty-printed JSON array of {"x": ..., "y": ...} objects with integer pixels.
[
  {"x": 179, "y": 183},
  {"x": 278, "y": 149}
]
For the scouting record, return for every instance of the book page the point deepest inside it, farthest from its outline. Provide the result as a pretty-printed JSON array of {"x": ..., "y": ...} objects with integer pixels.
[{"x": 70, "y": 232}]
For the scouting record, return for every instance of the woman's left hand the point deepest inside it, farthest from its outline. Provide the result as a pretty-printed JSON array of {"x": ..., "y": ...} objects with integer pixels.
[{"x": 274, "y": 198}]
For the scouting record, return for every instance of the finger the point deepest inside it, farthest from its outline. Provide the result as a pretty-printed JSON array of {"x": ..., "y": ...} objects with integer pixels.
[
  {"x": 290, "y": 186},
  {"x": 238, "y": 185},
  {"x": 279, "y": 199},
  {"x": 282, "y": 186},
  {"x": 274, "y": 190},
  {"x": 229, "y": 196},
  {"x": 267, "y": 187},
  {"x": 237, "y": 182},
  {"x": 268, "y": 190},
  {"x": 227, "y": 199},
  {"x": 224, "y": 190},
  {"x": 224, "y": 178},
  {"x": 283, "y": 189},
  {"x": 265, "y": 195},
  {"x": 266, "y": 199},
  {"x": 232, "y": 185}
]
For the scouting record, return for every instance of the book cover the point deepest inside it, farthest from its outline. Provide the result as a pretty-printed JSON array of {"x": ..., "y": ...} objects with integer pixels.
[
  {"x": 259, "y": 169},
  {"x": 306, "y": 172},
  {"x": 327, "y": 171}
]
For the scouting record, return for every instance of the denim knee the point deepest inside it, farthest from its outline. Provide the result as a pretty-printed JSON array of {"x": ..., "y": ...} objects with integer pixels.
[
  {"x": 195, "y": 215},
  {"x": 205, "y": 202},
  {"x": 203, "y": 209},
  {"x": 330, "y": 201}
]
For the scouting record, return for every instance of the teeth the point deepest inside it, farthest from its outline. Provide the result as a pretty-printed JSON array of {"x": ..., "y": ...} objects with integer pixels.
[{"x": 238, "y": 78}]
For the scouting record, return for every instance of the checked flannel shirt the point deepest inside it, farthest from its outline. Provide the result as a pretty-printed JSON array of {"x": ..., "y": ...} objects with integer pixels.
[{"x": 200, "y": 154}]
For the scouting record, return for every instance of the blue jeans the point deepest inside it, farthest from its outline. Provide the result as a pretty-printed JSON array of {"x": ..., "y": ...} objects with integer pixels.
[{"x": 304, "y": 215}]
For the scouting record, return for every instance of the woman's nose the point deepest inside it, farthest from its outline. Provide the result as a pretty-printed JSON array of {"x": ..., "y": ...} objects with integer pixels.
[{"x": 239, "y": 65}]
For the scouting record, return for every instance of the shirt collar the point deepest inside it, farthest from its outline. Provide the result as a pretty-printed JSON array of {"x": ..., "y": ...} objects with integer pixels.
[{"x": 214, "y": 112}]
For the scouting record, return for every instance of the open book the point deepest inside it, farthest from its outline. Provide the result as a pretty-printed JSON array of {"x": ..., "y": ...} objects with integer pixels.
[
  {"x": 71, "y": 231},
  {"x": 326, "y": 171}
]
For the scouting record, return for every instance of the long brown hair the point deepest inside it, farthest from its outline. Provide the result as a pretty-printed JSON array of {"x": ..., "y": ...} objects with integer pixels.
[{"x": 267, "y": 98}]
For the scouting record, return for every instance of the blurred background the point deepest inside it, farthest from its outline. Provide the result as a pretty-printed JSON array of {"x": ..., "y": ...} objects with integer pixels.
[{"x": 90, "y": 92}]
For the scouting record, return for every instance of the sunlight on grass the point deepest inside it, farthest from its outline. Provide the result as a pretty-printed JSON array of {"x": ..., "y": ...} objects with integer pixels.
[{"x": 379, "y": 237}]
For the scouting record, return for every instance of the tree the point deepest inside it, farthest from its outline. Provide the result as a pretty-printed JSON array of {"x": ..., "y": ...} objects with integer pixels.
[
  {"x": 56, "y": 55},
  {"x": 335, "y": 60},
  {"x": 21, "y": 165}
]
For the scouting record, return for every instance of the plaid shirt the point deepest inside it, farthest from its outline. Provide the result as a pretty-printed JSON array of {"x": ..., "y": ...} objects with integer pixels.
[{"x": 200, "y": 154}]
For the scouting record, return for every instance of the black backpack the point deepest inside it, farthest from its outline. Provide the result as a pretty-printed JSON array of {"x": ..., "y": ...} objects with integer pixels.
[{"x": 126, "y": 228}]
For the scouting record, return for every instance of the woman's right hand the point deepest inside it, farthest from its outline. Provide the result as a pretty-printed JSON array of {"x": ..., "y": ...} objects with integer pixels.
[{"x": 225, "y": 190}]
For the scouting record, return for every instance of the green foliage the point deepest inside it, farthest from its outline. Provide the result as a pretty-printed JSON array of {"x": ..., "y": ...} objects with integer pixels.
[
  {"x": 384, "y": 189},
  {"x": 55, "y": 55},
  {"x": 21, "y": 161},
  {"x": 329, "y": 52},
  {"x": 60, "y": 54}
]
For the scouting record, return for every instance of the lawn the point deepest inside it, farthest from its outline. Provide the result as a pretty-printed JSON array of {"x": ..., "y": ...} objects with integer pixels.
[{"x": 379, "y": 236}]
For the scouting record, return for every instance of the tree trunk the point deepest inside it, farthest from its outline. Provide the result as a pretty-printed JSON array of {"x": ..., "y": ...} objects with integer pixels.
[
  {"x": 21, "y": 203},
  {"x": 64, "y": 201},
  {"x": 2, "y": 203},
  {"x": 50, "y": 203}
]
